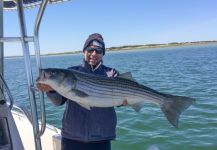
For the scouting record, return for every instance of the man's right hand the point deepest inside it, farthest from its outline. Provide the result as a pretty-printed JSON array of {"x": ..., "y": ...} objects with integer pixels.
[{"x": 44, "y": 87}]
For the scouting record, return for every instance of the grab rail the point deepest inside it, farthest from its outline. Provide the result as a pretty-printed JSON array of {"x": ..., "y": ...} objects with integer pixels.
[
  {"x": 25, "y": 39},
  {"x": 7, "y": 91},
  {"x": 38, "y": 61},
  {"x": 15, "y": 39},
  {"x": 26, "y": 55}
]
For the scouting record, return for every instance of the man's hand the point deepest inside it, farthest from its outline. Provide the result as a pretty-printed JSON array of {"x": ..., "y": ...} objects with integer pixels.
[{"x": 44, "y": 87}]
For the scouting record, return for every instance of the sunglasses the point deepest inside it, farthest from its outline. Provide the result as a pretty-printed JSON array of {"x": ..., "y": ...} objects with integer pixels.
[{"x": 98, "y": 50}]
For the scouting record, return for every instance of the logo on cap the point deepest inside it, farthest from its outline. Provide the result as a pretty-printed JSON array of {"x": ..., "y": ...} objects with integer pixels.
[{"x": 96, "y": 43}]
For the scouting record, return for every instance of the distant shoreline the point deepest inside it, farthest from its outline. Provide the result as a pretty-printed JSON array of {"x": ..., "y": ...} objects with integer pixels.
[
  {"x": 147, "y": 46},
  {"x": 135, "y": 47}
]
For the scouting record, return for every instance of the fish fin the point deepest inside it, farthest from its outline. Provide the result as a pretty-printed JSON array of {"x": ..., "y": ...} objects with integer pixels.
[
  {"x": 173, "y": 106},
  {"x": 80, "y": 93},
  {"x": 127, "y": 75},
  {"x": 137, "y": 106},
  {"x": 85, "y": 106}
]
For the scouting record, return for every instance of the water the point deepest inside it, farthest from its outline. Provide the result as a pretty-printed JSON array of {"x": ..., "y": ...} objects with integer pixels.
[{"x": 189, "y": 71}]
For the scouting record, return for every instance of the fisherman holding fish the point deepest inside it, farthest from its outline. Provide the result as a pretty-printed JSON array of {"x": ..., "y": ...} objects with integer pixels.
[
  {"x": 91, "y": 91},
  {"x": 84, "y": 129}
]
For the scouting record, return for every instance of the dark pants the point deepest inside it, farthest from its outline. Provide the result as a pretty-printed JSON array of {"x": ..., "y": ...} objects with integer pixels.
[{"x": 68, "y": 144}]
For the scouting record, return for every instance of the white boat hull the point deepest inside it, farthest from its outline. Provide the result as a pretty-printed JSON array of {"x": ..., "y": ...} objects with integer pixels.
[{"x": 50, "y": 140}]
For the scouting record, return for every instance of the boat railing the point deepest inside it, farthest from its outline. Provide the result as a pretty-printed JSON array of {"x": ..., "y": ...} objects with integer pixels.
[
  {"x": 25, "y": 39},
  {"x": 38, "y": 61},
  {"x": 5, "y": 90},
  {"x": 26, "y": 54}
]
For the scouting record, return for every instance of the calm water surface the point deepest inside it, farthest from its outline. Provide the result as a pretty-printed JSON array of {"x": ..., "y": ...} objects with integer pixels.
[{"x": 189, "y": 71}]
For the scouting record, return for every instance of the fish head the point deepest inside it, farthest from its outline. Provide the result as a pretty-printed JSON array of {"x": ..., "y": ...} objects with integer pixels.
[{"x": 57, "y": 78}]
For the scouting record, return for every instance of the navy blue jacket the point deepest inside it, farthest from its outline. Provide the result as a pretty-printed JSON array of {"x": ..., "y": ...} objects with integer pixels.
[{"x": 85, "y": 125}]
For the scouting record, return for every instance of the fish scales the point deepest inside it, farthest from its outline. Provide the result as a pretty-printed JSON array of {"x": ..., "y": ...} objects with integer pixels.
[{"x": 136, "y": 88}]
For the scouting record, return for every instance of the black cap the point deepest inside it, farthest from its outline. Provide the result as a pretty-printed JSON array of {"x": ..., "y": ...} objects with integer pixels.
[{"x": 95, "y": 39}]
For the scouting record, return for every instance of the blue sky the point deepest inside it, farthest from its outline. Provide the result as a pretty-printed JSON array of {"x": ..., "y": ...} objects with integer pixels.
[{"x": 66, "y": 26}]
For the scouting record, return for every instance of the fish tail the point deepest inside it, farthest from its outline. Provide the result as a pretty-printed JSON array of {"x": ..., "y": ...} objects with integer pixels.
[{"x": 173, "y": 106}]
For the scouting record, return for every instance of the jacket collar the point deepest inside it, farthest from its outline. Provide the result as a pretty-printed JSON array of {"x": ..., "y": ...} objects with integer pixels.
[{"x": 92, "y": 68}]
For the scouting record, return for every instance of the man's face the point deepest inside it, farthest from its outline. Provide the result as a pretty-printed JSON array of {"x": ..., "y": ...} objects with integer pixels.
[{"x": 92, "y": 55}]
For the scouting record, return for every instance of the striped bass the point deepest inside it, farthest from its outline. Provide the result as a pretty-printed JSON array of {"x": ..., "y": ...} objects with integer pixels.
[{"x": 91, "y": 90}]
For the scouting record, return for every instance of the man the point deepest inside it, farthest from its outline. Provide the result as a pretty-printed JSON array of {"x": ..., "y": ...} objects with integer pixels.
[{"x": 84, "y": 129}]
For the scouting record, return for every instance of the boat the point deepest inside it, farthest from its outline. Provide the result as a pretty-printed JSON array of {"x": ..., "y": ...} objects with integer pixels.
[{"x": 19, "y": 128}]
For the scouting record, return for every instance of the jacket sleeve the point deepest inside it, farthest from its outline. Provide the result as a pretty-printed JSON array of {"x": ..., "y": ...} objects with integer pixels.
[{"x": 56, "y": 98}]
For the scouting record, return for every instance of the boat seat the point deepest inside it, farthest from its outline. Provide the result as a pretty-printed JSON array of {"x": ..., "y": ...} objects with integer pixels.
[
  {"x": 9, "y": 135},
  {"x": 5, "y": 142}
]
